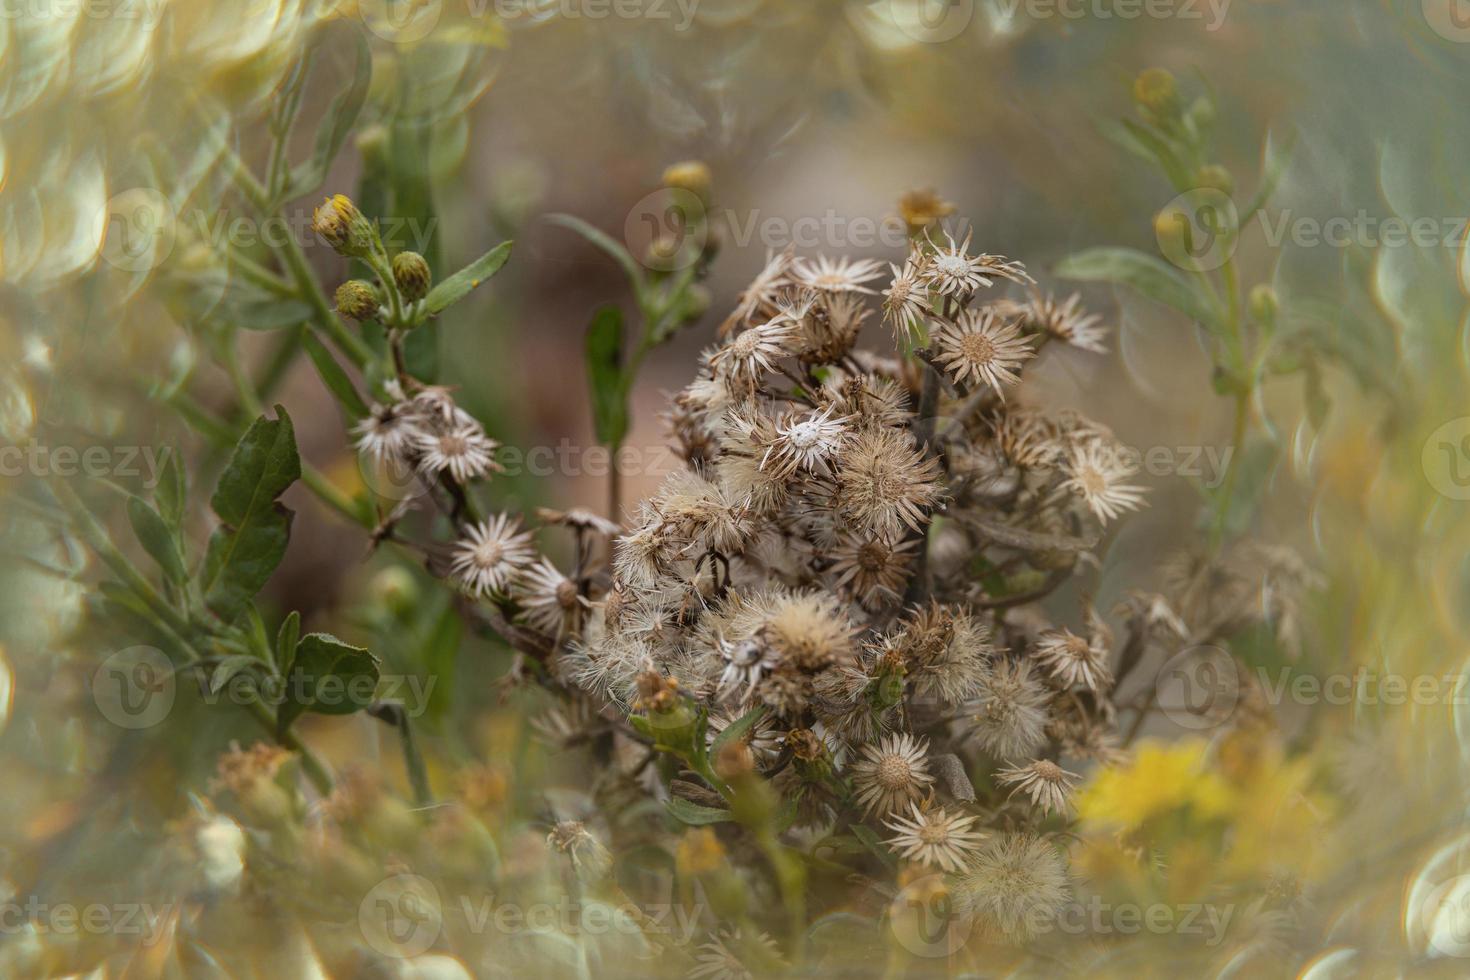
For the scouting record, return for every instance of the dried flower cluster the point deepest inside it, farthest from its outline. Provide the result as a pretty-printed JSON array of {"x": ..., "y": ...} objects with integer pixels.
[{"x": 839, "y": 596}]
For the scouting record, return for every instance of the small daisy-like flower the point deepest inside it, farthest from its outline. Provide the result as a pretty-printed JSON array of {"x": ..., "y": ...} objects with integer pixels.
[
  {"x": 872, "y": 569},
  {"x": 750, "y": 354},
  {"x": 1066, "y": 321},
  {"x": 389, "y": 432},
  {"x": 1008, "y": 717},
  {"x": 746, "y": 662},
  {"x": 842, "y": 275},
  {"x": 1097, "y": 475},
  {"x": 883, "y": 481},
  {"x": 729, "y": 956},
  {"x": 906, "y": 300},
  {"x": 1072, "y": 660},
  {"x": 1048, "y": 784},
  {"x": 983, "y": 347},
  {"x": 1014, "y": 886},
  {"x": 551, "y": 602},
  {"x": 491, "y": 554},
  {"x": 463, "y": 451},
  {"x": 805, "y": 442},
  {"x": 763, "y": 289},
  {"x": 891, "y": 773},
  {"x": 581, "y": 519},
  {"x": 953, "y": 271},
  {"x": 934, "y": 838}
]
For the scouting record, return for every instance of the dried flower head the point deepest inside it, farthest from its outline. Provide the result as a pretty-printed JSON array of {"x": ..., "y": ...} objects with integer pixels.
[
  {"x": 1072, "y": 660},
  {"x": 891, "y": 773},
  {"x": 1014, "y": 886},
  {"x": 841, "y": 275},
  {"x": 491, "y": 553},
  {"x": 1048, "y": 784},
  {"x": 934, "y": 837},
  {"x": 952, "y": 271},
  {"x": 1008, "y": 717},
  {"x": 884, "y": 481},
  {"x": 463, "y": 451},
  {"x": 1096, "y": 474},
  {"x": 982, "y": 347}
]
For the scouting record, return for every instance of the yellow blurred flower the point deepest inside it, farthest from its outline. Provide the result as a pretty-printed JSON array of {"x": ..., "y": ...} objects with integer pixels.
[{"x": 1162, "y": 779}]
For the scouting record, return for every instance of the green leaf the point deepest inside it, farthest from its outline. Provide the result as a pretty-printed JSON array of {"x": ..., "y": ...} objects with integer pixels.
[
  {"x": 872, "y": 843},
  {"x": 287, "y": 637},
  {"x": 441, "y": 650},
  {"x": 327, "y": 677},
  {"x": 605, "y": 375},
  {"x": 1148, "y": 144},
  {"x": 737, "y": 729},
  {"x": 605, "y": 242},
  {"x": 1148, "y": 275},
  {"x": 227, "y": 668},
  {"x": 265, "y": 313},
  {"x": 332, "y": 375},
  {"x": 251, "y": 541},
  {"x": 157, "y": 538},
  {"x": 171, "y": 493},
  {"x": 1274, "y": 168},
  {"x": 458, "y": 286},
  {"x": 336, "y": 124},
  {"x": 695, "y": 815}
]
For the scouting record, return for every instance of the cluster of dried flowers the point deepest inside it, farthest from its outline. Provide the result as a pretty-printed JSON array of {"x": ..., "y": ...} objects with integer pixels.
[{"x": 846, "y": 577}]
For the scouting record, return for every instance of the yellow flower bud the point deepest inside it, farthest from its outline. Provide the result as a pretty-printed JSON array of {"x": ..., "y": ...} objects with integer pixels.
[
  {"x": 341, "y": 225},
  {"x": 689, "y": 175},
  {"x": 412, "y": 274},
  {"x": 1155, "y": 90},
  {"x": 1215, "y": 177},
  {"x": 357, "y": 299},
  {"x": 1264, "y": 304}
]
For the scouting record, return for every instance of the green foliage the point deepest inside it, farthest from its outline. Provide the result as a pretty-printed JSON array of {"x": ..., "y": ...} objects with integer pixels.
[
  {"x": 459, "y": 285},
  {"x": 605, "y": 374},
  {"x": 1148, "y": 275},
  {"x": 255, "y": 526},
  {"x": 328, "y": 677}
]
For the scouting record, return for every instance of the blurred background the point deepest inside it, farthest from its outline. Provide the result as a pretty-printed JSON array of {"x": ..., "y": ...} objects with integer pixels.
[{"x": 121, "y": 124}]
